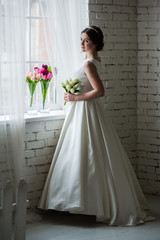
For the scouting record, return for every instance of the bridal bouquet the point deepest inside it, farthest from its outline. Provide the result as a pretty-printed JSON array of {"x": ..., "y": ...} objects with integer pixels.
[
  {"x": 32, "y": 79},
  {"x": 71, "y": 86},
  {"x": 46, "y": 76}
]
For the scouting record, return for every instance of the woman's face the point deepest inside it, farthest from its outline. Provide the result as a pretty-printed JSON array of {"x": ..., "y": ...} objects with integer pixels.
[{"x": 86, "y": 43}]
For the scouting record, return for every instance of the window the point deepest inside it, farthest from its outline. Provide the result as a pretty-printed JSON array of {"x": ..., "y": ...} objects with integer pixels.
[
  {"x": 36, "y": 54},
  {"x": 59, "y": 26}
]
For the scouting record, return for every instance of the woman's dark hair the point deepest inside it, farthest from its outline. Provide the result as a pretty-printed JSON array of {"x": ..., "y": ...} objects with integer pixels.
[{"x": 96, "y": 36}]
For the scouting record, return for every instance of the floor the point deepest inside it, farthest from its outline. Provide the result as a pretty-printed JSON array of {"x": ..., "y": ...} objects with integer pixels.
[{"x": 60, "y": 226}]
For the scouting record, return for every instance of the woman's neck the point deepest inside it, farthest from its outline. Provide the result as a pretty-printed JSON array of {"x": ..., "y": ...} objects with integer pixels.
[{"x": 92, "y": 55}]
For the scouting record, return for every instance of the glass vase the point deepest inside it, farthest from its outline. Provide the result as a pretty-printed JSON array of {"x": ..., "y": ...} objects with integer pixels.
[
  {"x": 32, "y": 86},
  {"x": 44, "y": 89}
]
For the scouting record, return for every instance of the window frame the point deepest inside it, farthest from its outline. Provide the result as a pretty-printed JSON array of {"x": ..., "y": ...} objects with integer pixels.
[{"x": 53, "y": 105}]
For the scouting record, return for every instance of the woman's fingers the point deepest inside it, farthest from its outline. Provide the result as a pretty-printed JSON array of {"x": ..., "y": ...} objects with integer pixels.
[{"x": 66, "y": 97}]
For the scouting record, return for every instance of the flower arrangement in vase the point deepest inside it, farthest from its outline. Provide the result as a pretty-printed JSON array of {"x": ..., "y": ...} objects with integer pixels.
[
  {"x": 32, "y": 79},
  {"x": 46, "y": 76},
  {"x": 42, "y": 75}
]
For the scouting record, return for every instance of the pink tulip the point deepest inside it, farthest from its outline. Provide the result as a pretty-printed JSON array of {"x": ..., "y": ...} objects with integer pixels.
[
  {"x": 36, "y": 68},
  {"x": 44, "y": 66},
  {"x": 49, "y": 75},
  {"x": 29, "y": 74},
  {"x": 45, "y": 72},
  {"x": 41, "y": 70},
  {"x": 38, "y": 76},
  {"x": 33, "y": 77},
  {"x": 44, "y": 77}
]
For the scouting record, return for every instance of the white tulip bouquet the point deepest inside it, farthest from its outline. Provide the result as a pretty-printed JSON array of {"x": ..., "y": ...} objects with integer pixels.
[{"x": 71, "y": 86}]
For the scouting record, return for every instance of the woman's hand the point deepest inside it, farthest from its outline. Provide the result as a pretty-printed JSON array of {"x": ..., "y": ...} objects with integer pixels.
[{"x": 69, "y": 97}]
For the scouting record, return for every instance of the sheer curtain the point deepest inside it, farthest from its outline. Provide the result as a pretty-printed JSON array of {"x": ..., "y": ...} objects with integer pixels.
[
  {"x": 12, "y": 80},
  {"x": 63, "y": 22}
]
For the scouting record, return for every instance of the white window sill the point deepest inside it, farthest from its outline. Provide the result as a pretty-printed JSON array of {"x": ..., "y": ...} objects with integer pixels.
[{"x": 51, "y": 115}]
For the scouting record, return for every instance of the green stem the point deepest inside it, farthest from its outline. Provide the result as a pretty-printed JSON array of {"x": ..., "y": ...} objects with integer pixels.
[
  {"x": 64, "y": 103},
  {"x": 31, "y": 101},
  {"x": 43, "y": 103},
  {"x": 44, "y": 88}
]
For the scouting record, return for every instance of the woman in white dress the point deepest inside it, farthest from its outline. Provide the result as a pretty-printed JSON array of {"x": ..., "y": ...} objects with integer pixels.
[{"x": 90, "y": 172}]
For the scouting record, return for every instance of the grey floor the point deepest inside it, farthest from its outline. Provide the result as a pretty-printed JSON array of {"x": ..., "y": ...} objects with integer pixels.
[{"x": 59, "y": 226}]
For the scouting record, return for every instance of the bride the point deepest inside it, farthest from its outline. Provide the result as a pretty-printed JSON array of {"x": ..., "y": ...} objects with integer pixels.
[{"x": 90, "y": 172}]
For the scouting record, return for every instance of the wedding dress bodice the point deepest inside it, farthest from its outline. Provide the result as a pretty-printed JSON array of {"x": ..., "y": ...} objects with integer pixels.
[{"x": 84, "y": 82}]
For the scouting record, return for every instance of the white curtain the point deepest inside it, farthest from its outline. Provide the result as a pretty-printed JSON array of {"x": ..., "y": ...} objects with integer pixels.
[
  {"x": 12, "y": 80},
  {"x": 65, "y": 19}
]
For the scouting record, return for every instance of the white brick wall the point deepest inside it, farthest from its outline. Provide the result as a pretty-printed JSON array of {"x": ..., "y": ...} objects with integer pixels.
[
  {"x": 131, "y": 70},
  {"x": 40, "y": 142},
  {"x": 148, "y": 95},
  {"x": 118, "y": 20}
]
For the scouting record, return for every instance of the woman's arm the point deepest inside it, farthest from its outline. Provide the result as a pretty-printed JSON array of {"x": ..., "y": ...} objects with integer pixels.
[{"x": 98, "y": 90}]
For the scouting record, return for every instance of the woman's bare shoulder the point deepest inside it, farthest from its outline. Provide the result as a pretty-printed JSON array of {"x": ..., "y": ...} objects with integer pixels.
[{"x": 89, "y": 66}]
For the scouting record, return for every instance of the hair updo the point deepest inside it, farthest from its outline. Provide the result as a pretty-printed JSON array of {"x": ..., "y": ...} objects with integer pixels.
[{"x": 96, "y": 36}]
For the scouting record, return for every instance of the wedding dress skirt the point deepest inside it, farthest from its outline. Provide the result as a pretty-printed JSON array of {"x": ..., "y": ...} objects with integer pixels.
[{"x": 90, "y": 172}]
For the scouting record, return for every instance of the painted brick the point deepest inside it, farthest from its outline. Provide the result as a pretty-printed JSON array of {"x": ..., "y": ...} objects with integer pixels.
[
  {"x": 129, "y": 24},
  {"x": 34, "y": 186},
  {"x": 29, "y": 153},
  {"x": 103, "y": 15},
  {"x": 44, "y": 151},
  {"x": 50, "y": 125},
  {"x": 37, "y": 161},
  {"x": 51, "y": 142},
  {"x": 30, "y": 170},
  {"x": 133, "y": 3},
  {"x": 92, "y": 1},
  {"x": 154, "y": 10},
  {"x": 147, "y": 176},
  {"x": 122, "y": 2},
  {"x": 45, "y": 135},
  {"x": 147, "y": 46},
  {"x": 30, "y": 136},
  {"x": 31, "y": 127},
  {"x": 35, "y": 178},
  {"x": 35, "y": 144},
  {"x": 147, "y": 162},
  {"x": 154, "y": 113},
  {"x": 158, "y": 171},
  {"x": 43, "y": 169},
  {"x": 147, "y": 31},
  {"x": 120, "y": 17},
  {"x": 129, "y": 9},
  {"x": 122, "y": 32},
  {"x": 142, "y": 10},
  {"x": 147, "y": 3},
  {"x": 154, "y": 155},
  {"x": 147, "y": 18}
]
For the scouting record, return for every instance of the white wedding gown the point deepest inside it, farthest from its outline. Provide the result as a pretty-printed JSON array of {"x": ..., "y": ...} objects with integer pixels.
[{"x": 90, "y": 172}]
